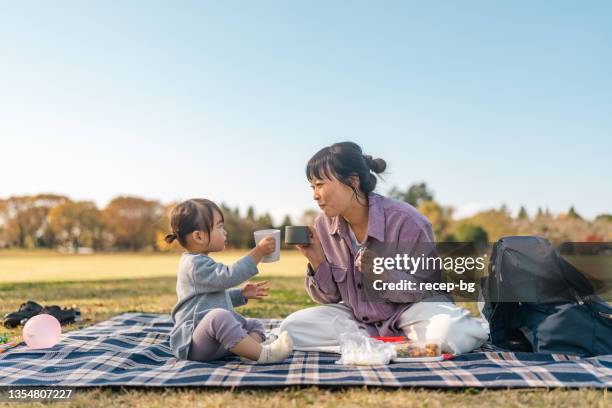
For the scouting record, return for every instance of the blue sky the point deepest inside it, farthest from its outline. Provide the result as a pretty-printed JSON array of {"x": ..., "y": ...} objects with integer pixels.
[{"x": 489, "y": 103}]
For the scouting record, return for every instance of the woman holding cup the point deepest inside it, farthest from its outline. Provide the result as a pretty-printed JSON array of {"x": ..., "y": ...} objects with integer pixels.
[{"x": 353, "y": 219}]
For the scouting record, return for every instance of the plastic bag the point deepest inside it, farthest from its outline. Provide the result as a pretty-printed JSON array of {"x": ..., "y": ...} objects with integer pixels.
[{"x": 358, "y": 348}]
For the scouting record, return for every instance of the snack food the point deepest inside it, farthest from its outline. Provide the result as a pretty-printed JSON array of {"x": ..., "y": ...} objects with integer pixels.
[{"x": 408, "y": 349}]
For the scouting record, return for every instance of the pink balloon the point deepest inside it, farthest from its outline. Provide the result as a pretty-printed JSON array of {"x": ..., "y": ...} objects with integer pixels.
[{"x": 42, "y": 331}]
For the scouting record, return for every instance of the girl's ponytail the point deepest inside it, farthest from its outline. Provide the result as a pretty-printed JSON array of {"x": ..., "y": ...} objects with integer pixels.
[{"x": 170, "y": 238}]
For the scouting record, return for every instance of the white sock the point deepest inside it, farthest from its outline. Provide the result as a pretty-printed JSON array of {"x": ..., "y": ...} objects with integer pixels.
[{"x": 278, "y": 350}]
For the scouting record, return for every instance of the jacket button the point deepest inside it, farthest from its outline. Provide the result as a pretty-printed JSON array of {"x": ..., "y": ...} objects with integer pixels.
[
  {"x": 378, "y": 324},
  {"x": 365, "y": 318},
  {"x": 359, "y": 285}
]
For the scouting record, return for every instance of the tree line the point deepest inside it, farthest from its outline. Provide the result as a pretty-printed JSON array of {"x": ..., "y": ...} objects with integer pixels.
[
  {"x": 490, "y": 225},
  {"x": 127, "y": 223},
  {"x": 130, "y": 223}
]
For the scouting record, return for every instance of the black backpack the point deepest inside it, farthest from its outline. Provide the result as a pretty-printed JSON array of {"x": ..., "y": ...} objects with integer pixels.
[{"x": 536, "y": 301}]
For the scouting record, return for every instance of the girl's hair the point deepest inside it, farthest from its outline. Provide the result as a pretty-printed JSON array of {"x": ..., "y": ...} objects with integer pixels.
[
  {"x": 192, "y": 215},
  {"x": 342, "y": 160}
]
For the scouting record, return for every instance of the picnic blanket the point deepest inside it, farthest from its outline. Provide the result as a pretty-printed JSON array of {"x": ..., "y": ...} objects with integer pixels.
[{"x": 132, "y": 349}]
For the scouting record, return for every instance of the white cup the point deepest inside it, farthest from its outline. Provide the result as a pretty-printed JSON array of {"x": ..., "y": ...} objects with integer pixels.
[{"x": 259, "y": 235}]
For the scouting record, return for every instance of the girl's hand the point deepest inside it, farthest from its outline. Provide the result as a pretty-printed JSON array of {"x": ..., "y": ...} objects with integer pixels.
[
  {"x": 255, "y": 290},
  {"x": 313, "y": 251},
  {"x": 267, "y": 245}
]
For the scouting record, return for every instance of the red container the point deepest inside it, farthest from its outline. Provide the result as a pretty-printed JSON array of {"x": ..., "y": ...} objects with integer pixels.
[{"x": 390, "y": 339}]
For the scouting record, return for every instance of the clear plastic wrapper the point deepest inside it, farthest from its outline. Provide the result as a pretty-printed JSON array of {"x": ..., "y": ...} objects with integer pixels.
[{"x": 358, "y": 348}]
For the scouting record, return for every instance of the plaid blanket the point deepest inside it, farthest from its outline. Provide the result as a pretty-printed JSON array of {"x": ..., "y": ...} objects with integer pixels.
[{"x": 132, "y": 350}]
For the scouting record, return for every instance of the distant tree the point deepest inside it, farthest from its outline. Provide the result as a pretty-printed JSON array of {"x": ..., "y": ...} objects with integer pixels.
[
  {"x": 573, "y": 214},
  {"x": 133, "y": 222},
  {"x": 265, "y": 221},
  {"x": 286, "y": 221},
  {"x": 239, "y": 230},
  {"x": 3, "y": 221},
  {"x": 308, "y": 216},
  {"x": 522, "y": 215},
  {"x": 77, "y": 224},
  {"x": 250, "y": 213},
  {"x": 497, "y": 223},
  {"x": 414, "y": 195},
  {"x": 26, "y": 224},
  {"x": 163, "y": 229},
  {"x": 439, "y": 216},
  {"x": 604, "y": 217},
  {"x": 466, "y": 232}
]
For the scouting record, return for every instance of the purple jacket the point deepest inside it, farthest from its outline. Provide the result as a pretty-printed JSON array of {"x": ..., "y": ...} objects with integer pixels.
[{"x": 337, "y": 278}]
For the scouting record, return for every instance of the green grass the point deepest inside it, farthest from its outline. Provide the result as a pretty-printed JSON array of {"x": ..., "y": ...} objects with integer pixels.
[{"x": 107, "y": 285}]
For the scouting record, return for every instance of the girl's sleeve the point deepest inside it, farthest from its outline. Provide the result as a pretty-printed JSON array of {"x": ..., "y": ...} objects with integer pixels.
[
  {"x": 237, "y": 297},
  {"x": 211, "y": 276},
  {"x": 320, "y": 285}
]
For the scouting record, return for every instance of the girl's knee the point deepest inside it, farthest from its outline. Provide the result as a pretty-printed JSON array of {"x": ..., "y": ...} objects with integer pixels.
[{"x": 216, "y": 315}]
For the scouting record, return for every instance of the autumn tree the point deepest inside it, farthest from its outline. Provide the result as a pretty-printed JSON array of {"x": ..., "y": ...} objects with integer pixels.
[
  {"x": 132, "y": 222},
  {"x": 77, "y": 223},
  {"x": 3, "y": 221},
  {"x": 497, "y": 223},
  {"x": 26, "y": 220},
  {"x": 440, "y": 217}
]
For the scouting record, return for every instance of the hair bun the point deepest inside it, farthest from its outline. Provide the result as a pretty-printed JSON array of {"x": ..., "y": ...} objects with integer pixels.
[
  {"x": 170, "y": 238},
  {"x": 376, "y": 165}
]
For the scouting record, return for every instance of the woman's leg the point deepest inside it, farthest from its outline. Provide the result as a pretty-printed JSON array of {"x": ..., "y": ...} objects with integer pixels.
[
  {"x": 317, "y": 327},
  {"x": 453, "y": 325}
]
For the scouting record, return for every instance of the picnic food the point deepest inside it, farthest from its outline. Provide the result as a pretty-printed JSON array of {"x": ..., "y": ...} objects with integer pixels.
[{"x": 410, "y": 349}]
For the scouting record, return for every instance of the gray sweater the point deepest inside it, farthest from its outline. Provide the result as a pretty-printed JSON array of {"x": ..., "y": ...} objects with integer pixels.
[{"x": 203, "y": 284}]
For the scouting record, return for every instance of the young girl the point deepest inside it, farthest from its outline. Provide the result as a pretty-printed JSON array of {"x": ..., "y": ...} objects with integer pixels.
[{"x": 206, "y": 327}]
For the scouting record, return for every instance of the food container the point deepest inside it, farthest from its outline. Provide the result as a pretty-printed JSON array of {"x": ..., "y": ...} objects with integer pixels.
[{"x": 418, "y": 351}]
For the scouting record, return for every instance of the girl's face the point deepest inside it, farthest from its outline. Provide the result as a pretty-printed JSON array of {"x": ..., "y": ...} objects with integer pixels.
[
  {"x": 332, "y": 196},
  {"x": 218, "y": 235},
  {"x": 203, "y": 242}
]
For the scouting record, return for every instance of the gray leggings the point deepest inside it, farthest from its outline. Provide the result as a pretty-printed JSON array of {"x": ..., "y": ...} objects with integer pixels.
[{"x": 219, "y": 331}]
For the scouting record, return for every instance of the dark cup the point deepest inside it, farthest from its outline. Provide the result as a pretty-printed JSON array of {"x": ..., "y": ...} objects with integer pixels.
[{"x": 297, "y": 235}]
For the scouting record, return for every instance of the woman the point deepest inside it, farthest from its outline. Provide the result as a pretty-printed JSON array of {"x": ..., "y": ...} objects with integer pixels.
[{"x": 354, "y": 219}]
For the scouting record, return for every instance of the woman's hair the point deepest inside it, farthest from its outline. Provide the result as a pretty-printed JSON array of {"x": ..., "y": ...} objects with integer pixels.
[
  {"x": 342, "y": 160},
  {"x": 192, "y": 215}
]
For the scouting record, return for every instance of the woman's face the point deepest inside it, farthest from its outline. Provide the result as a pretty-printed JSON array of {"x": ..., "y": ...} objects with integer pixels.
[{"x": 332, "y": 196}]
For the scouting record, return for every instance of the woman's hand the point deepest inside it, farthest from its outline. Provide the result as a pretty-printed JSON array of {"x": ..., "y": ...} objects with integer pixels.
[
  {"x": 255, "y": 290},
  {"x": 313, "y": 251}
]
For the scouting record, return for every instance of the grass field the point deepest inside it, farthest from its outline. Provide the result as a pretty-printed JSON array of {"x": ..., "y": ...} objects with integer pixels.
[{"x": 109, "y": 284}]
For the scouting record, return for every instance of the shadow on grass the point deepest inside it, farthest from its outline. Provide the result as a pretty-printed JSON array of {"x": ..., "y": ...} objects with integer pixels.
[{"x": 119, "y": 288}]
